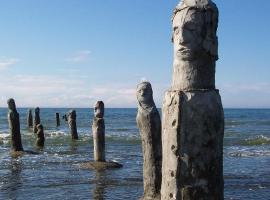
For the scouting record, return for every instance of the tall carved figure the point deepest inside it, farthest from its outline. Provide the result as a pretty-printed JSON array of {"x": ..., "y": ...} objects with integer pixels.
[
  {"x": 148, "y": 121},
  {"x": 29, "y": 119},
  {"x": 98, "y": 130},
  {"x": 14, "y": 126},
  {"x": 40, "y": 136},
  {"x": 57, "y": 117},
  {"x": 193, "y": 119},
  {"x": 72, "y": 124},
  {"x": 36, "y": 120}
]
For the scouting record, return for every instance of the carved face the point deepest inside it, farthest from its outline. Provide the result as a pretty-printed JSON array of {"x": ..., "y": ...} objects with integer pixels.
[
  {"x": 37, "y": 110},
  {"x": 11, "y": 104},
  {"x": 144, "y": 93},
  {"x": 99, "y": 109},
  {"x": 188, "y": 34},
  {"x": 40, "y": 127},
  {"x": 72, "y": 114}
]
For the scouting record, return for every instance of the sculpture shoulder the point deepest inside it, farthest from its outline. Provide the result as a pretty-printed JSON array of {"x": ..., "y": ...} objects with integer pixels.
[
  {"x": 142, "y": 114},
  {"x": 12, "y": 114},
  {"x": 143, "y": 118},
  {"x": 154, "y": 112},
  {"x": 98, "y": 121}
]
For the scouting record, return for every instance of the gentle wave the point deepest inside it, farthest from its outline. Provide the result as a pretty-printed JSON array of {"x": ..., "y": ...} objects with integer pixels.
[
  {"x": 234, "y": 123},
  {"x": 257, "y": 153},
  {"x": 132, "y": 138},
  {"x": 231, "y": 139},
  {"x": 258, "y": 140},
  {"x": 112, "y": 136},
  {"x": 247, "y": 151},
  {"x": 4, "y": 136},
  {"x": 55, "y": 134},
  {"x": 121, "y": 129}
]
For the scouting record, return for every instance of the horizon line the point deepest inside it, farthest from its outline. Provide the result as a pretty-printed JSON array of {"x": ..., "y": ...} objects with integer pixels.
[{"x": 124, "y": 107}]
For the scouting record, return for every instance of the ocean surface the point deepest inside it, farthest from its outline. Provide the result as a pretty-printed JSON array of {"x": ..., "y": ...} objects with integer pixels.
[{"x": 54, "y": 172}]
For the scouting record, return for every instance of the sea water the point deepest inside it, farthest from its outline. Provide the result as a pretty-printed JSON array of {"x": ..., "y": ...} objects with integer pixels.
[{"x": 54, "y": 173}]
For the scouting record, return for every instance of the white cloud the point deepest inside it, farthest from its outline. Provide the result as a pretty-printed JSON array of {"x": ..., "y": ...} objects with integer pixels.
[
  {"x": 121, "y": 95},
  {"x": 115, "y": 95},
  {"x": 39, "y": 90},
  {"x": 80, "y": 56},
  {"x": 7, "y": 62},
  {"x": 69, "y": 91},
  {"x": 72, "y": 91},
  {"x": 56, "y": 91}
]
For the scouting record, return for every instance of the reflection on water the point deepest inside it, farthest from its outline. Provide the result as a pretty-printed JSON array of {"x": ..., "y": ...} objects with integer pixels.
[
  {"x": 13, "y": 178},
  {"x": 73, "y": 146},
  {"x": 99, "y": 190}
]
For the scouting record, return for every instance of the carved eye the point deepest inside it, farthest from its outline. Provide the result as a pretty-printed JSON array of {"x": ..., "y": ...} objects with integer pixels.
[
  {"x": 172, "y": 39},
  {"x": 176, "y": 30},
  {"x": 190, "y": 26}
]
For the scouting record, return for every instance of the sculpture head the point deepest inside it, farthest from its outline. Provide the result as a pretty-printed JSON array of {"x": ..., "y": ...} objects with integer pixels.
[
  {"x": 99, "y": 109},
  {"x": 40, "y": 127},
  {"x": 194, "y": 30},
  {"x": 144, "y": 95},
  {"x": 11, "y": 104},
  {"x": 37, "y": 110},
  {"x": 72, "y": 114}
]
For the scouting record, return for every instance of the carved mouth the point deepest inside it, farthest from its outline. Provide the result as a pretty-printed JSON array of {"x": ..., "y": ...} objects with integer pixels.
[{"x": 183, "y": 50}]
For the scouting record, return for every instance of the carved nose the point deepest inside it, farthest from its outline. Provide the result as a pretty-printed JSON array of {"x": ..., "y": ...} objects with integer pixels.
[{"x": 181, "y": 39}]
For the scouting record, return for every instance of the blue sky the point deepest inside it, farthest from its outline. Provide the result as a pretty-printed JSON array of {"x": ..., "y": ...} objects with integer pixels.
[{"x": 71, "y": 53}]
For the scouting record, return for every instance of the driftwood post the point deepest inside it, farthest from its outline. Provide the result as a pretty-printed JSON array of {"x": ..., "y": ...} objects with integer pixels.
[
  {"x": 148, "y": 121},
  {"x": 72, "y": 124},
  {"x": 40, "y": 136},
  {"x": 29, "y": 119},
  {"x": 36, "y": 119},
  {"x": 14, "y": 126},
  {"x": 57, "y": 116},
  {"x": 98, "y": 129},
  {"x": 64, "y": 117},
  {"x": 193, "y": 121}
]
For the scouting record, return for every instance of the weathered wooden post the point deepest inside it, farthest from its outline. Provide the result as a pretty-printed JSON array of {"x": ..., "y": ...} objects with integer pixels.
[
  {"x": 29, "y": 119},
  {"x": 98, "y": 130},
  {"x": 72, "y": 124},
  {"x": 148, "y": 121},
  {"x": 193, "y": 120},
  {"x": 64, "y": 117},
  {"x": 40, "y": 136},
  {"x": 14, "y": 126},
  {"x": 36, "y": 119},
  {"x": 57, "y": 116}
]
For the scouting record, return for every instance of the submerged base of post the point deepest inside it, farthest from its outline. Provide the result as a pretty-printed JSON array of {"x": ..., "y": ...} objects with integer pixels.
[
  {"x": 157, "y": 197},
  {"x": 16, "y": 154},
  {"x": 192, "y": 138},
  {"x": 100, "y": 165}
]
